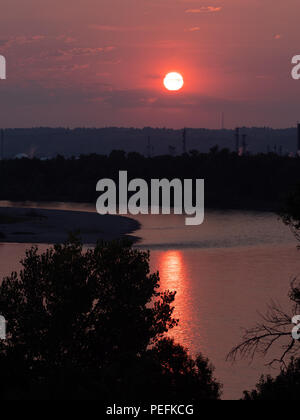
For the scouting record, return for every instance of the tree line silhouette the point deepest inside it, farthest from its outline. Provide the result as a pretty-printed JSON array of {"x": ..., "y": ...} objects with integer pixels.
[{"x": 260, "y": 182}]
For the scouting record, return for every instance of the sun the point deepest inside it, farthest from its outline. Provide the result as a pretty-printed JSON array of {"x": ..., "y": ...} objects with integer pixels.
[{"x": 173, "y": 81}]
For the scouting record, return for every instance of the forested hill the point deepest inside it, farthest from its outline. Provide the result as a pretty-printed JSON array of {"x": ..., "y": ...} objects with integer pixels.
[{"x": 49, "y": 142}]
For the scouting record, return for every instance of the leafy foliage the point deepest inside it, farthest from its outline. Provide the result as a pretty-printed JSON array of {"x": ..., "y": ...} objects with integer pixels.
[
  {"x": 285, "y": 387},
  {"x": 89, "y": 324}
]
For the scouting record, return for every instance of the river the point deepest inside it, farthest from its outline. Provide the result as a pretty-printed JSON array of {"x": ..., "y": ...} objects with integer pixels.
[{"x": 225, "y": 272}]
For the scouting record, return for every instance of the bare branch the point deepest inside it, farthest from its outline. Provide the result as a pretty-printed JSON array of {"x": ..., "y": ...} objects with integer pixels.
[{"x": 275, "y": 327}]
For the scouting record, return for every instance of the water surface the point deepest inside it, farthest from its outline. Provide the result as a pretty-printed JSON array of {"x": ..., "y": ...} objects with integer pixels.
[{"x": 224, "y": 272}]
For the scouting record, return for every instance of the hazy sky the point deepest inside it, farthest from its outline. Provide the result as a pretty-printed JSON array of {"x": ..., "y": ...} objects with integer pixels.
[{"x": 102, "y": 62}]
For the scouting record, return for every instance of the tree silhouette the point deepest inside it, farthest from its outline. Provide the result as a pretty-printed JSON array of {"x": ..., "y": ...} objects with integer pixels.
[
  {"x": 285, "y": 387},
  {"x": 274, "y": 328},
  {"x": 90, "y": 324}
]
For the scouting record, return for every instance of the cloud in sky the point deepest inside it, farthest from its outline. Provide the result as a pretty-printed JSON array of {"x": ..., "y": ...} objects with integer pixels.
[
  {"x": 42, "y": 46},
  {"x": 136, "y": 98},
  {"x": 79, "y": 51},
  {"x": 66, "y": 39},
  {"x": 193, "y": 29},
  {"x": 204, "y": 9},
  {"x": 113, "y": 28},
  {"x": 58, "y": 59},
  {"x": 20, "y": 41},
  {"x": 115, "y": 107}
]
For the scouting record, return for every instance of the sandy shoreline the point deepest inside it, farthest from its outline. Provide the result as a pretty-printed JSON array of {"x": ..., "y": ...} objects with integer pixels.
[{"x": 39, "y": 226}]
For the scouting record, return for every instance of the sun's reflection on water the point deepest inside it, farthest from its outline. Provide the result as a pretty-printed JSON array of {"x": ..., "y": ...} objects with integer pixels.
[{"x": 174, "y": 277}]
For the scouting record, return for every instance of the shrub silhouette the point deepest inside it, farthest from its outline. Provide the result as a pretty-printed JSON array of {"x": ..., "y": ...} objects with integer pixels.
[
  {"x": 89, "y": 324},
  {"x": 285, "y": 387}
]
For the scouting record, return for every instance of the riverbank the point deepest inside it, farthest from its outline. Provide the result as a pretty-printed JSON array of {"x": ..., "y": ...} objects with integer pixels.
[{"x": 29, "y": 225}]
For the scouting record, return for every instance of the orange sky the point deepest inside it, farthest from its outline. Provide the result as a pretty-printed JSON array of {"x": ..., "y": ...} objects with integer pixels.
[{"x": 102, "y": 62}]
